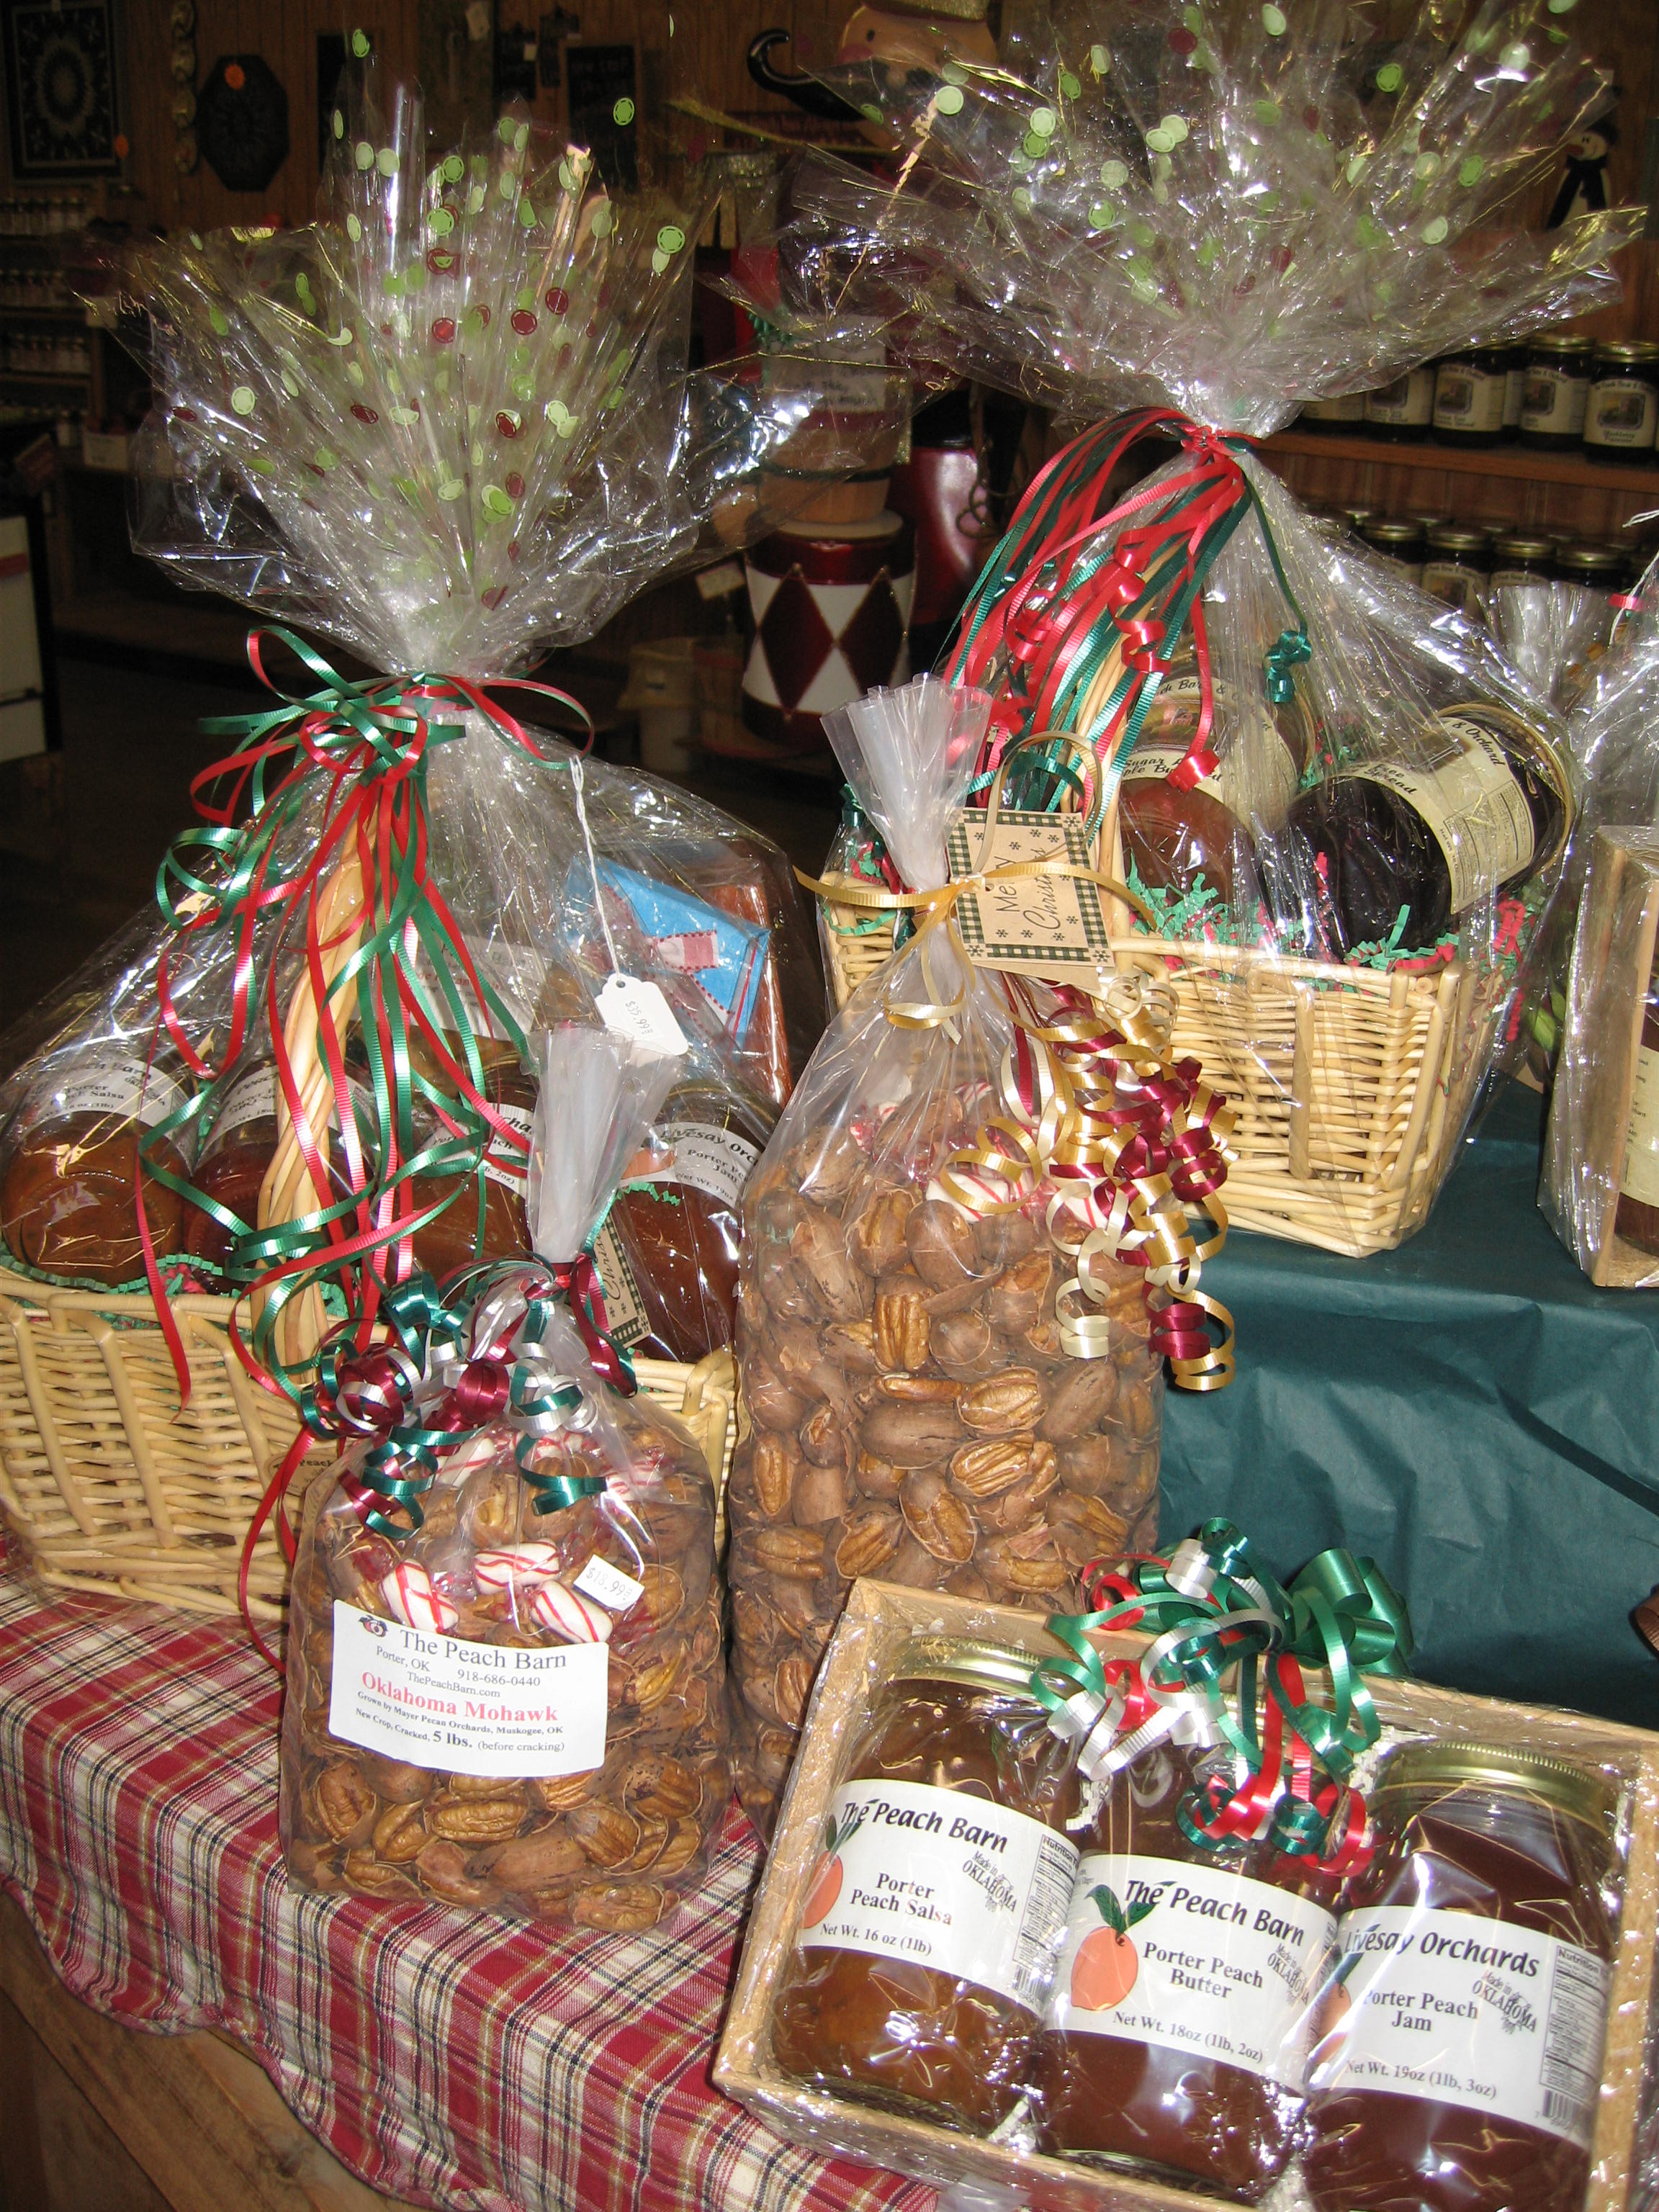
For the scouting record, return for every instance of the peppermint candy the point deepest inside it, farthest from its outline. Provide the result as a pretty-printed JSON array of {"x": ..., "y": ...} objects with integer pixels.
[
  {"x": 409, "y": 1592},
  {"x": 973, "y": 1193},
  {"x": 523, "y": 1563},
  {"x": 566, "y": 1613}
]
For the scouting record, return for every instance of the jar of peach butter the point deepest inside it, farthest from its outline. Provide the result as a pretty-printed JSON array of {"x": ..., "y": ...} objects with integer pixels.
[{"x": 933, "y": 1917}]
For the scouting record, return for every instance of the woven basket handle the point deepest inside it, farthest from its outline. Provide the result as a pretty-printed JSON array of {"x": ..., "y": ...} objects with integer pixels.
[{"x": 287, "y": 1192}]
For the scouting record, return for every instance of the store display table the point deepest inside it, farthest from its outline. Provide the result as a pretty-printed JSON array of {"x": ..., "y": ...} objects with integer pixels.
[
  {"x": 1472, "y": 1411},
  {"x": 450, "y": 2061}
]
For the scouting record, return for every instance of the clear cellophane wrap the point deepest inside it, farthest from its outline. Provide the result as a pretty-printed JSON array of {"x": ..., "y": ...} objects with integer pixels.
[{"x": 1209, "y": 216}]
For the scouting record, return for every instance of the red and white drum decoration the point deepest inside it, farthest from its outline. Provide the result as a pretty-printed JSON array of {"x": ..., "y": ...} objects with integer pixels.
[{"x": 832, "y": 611}]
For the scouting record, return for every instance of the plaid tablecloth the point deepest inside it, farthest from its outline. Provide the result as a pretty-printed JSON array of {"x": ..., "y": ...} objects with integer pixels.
[{"x": 456, "y": 2061}]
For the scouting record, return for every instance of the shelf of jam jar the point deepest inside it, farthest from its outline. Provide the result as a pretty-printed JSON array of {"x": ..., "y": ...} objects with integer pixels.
[
  {"x": 52, "y": 376},
  {"x": 1510, "y": 460},
  {"x": 77, "y": 315}
]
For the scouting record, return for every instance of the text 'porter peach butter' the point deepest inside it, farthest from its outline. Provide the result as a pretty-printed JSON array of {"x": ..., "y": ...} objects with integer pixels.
[
  {"x": 934, "y": 1911},
  {"x": 1177, "y": 2029}
]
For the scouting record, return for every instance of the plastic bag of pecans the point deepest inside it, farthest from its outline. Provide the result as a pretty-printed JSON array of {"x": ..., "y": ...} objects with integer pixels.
[
  {"x": 913, "y": 1410},
  {"x": 517, "y": 1704}
]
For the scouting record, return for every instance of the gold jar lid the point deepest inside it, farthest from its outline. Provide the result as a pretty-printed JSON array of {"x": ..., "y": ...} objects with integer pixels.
[
  {"x": 1522, "y": 549},
  {"x": 1628, "y": 353},
  {"x": 1392, "y": 530},
  {"x": 1451, "y": 537},
  {"x": 1562, "y": 346},
  {"x": 1596, "y": 562},
  {"x": 961, "y": 1659},
  {"x": 1579, "y": 1791}
]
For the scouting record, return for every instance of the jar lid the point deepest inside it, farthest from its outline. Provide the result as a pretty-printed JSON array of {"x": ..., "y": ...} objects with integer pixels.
[
  {"x": 1355, "y": 517},
  {"x": 1592, "y": 560},
  {"x": 959, "y": 1659},
  {"x": 1563, "y": 345},
  {"x": 1522, "y": 549},
  {"x": 1451, "y": 537},
  {"x": 1579, "y": 1791},
  {"x": 1390, "y": 530},
  {"x": 1630, "y": 352}
]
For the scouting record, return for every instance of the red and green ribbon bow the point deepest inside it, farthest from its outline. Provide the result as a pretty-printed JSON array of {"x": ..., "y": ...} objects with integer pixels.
[
  {"x": 447, "y": 1361},
  {"x": 1073, "y": 581},
  {"x": 1212, "y": 1608},
  {"x": 331, "y": 777}
]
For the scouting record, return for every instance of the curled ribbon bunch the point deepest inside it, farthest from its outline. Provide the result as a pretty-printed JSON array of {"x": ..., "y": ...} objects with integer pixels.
[
  {"x": 1079, "y": 596},
  {"x": 334, "y": 853},
  {"x": 1213, "y": 1606},
  {"x": 439, "y": 1365},
  {"x": 1097, "y": 1114}
]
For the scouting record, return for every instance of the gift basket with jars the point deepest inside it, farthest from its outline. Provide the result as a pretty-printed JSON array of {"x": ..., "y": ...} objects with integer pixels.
[
  {"x": 1194, "y": 1897},
  {"x": 1344, "y": 811},
  {"x": 449, "y": 427}
]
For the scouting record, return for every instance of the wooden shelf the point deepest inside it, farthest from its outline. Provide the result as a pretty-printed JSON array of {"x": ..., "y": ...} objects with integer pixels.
[
  {"x": 1511, "y": 461},
  {"x": 43, "y": 314},
  {"x": 54, "y": 377}
]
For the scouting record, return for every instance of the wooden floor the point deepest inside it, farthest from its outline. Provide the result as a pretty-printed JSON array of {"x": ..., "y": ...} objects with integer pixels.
[{"x": 94, "y": 2117}]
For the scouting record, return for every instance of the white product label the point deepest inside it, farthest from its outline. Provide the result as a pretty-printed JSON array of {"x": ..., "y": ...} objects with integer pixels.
[
  {"x": 637, "y": 1009},
  {"x": 608, "y": 1586},
  {"x": 251, "y": 1097},
  {"x": 1465, "y": 2011},
  {"x": 1555, "y": 402},
  {"x": 1475, "y": 809},
  {"x": 1350, "y": 408},
  {"x": 1460, "y": 587},
  {"x": 1469, "y": 399},
  {"x": 716, "y": 1162},
  {"x": 1640, "y": 1180},
  {"x": 487, "y": 1709},
  {"x": 942, "y": 1879},
  {"x": 1408, "y": 400},
  {"x": 111, "y": 1085},
  {"x": 1622, "y": 415},
  {"x": 1192, "y": 1958},
  {"x": 519, "y": 1118},
  {"x": 718, "y": 582}
]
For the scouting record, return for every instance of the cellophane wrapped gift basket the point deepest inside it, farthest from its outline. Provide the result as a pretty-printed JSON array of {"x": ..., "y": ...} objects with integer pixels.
[
  {"x": 1344, "y": 811},
  {"x": 451, "y": 427}
]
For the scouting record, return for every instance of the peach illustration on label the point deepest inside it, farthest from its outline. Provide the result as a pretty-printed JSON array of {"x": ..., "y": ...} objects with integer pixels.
[
  {"x": 824, "y": 1888},
  {"x": 1328, "y": 2025},
  {"x": 1107, "y": 1963}
]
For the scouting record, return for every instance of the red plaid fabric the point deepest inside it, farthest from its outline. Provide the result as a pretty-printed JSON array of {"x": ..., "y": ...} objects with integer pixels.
[{"x": 457, "y": 2062}]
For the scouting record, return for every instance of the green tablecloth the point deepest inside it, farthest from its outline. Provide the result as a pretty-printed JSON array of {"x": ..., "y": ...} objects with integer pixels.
[{"x": 1469, "y": 1410}]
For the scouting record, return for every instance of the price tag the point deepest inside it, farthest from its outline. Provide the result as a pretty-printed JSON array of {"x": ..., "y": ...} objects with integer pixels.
[
  {"x": 608, "y": 1586},
  {"x": 630, "y": 1008},
  {"x": 720, "y": 583}
]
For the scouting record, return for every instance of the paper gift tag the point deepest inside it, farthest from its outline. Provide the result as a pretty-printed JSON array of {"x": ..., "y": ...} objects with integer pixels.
[
  {"x": 1035, "y": 925},
  {"x": 626, "y": 1320},
  {"x": 637, "y": 1009}
]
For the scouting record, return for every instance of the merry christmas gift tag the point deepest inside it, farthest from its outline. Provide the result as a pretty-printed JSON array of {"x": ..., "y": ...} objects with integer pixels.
[{"x": 1033, "y": 925}]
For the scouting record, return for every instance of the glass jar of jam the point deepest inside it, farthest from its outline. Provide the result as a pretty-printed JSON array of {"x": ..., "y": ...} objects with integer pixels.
[
  {"x": 1341, "y": 415},
  {"x": 1457, "y": 567},
  {"x": 1553, "y": 406},
  {"x": 1621, "y": 416},
  {"x": 1404, "y": 409},
  {"x": 1176, "y": 838},
  {"x": 1468, "y": 396},
  {"x": 932, "y": 1919},
  {"x": 1517, "y": 560},
  {"x": 1353, "y": 518},
  {"x": 676, "y": 1217},
  {"x": 1397, "y": 542},
  {"x": 238, "y": 1152},
  {"x": 1593, "y": 567},
  {"x": 1177, "y": 2034},
  {"x": 1460, "y": 2031},
  {"x": 68, "y": 1164},
  {"x": 453, "y": 1239},
  {"x": 1481, "y": 803},
  {"x": 1514, "y": 389}
]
